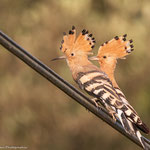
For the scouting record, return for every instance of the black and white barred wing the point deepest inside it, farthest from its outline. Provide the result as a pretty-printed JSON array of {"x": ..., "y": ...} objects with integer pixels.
[{"x": 98, "y": 85}]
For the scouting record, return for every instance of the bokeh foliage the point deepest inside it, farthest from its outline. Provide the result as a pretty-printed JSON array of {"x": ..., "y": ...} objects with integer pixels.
[{"x": 36, "y": 114}]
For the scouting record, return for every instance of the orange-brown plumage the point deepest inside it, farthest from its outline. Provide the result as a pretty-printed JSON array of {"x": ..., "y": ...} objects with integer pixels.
[
  {"x": 109, "y": 52},
  {"x": 84, "y": 42},
  {"x": 118, "y": 47}
]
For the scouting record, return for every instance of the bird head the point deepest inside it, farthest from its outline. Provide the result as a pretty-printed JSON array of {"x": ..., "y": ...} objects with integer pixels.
[
  {"x": 76, "y": 50},
  {"x": 110, "y": 51}
]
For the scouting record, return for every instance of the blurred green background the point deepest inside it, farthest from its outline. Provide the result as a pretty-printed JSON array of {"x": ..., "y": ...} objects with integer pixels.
[{"x": 36, "y": 114}]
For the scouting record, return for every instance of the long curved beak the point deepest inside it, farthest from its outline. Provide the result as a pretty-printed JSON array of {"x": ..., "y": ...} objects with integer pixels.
[
  {"x": 93, "y": 58},
  {"x": 58, "y": 58}
]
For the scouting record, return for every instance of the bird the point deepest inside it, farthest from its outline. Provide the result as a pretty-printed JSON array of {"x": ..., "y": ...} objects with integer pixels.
[
  {"x": 108, "y": 54},
  {"x": 90, "y": 77}
]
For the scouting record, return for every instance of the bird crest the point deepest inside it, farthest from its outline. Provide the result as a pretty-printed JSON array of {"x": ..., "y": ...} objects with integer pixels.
[
  {"x": 118, "y": 47},
  {"x": 84, "y": 42}
]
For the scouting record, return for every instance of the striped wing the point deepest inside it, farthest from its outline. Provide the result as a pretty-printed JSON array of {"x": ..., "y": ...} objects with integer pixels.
[{"x": 97, "y": 84}]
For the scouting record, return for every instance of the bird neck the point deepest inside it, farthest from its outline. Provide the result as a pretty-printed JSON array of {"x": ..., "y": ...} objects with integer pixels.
[
  {"x": 80, "y": 65},
  {"x": 109, "y": 68}
]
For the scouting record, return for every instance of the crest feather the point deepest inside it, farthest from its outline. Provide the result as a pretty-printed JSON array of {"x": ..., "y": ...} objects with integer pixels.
[
  {"x": 118, "y": 47},
  {"x": 84, "y": 42}
]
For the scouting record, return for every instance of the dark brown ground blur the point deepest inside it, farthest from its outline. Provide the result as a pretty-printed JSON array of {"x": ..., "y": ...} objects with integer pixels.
[{"x": 36, "y": 114}]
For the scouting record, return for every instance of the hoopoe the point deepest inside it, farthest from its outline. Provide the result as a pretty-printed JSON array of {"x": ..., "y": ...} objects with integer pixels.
[
  {"x": 107, "y": 56},
  {"x": 91, "y": 78},
  {"x": 109, "y": 53}
]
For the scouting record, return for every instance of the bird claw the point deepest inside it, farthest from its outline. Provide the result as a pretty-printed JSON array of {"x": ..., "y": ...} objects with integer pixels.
[
  {"x": 95, "y": 102},
  {"x": 113, "y": 116}
]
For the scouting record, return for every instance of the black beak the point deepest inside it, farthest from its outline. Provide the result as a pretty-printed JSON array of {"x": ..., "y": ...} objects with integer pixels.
[{"x": 58, "y": 58}]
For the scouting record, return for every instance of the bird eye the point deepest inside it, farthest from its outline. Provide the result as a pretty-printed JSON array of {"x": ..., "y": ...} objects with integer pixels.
[
  {"x": 72, "y": 54},
  {"x": 104, "y": 57}
]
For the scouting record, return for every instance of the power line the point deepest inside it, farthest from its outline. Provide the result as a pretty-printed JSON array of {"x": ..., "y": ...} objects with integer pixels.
[{"x": 54, "y": 78}]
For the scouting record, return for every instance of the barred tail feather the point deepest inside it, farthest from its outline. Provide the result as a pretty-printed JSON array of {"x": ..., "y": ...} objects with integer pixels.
[
  {"x": 141, "y": 139},
  {"x": 131, "y": 128},
  {"x": 143, "y": 128},
  {"x": 132, "y": 115},
  {"x": 125, "y": 123}
]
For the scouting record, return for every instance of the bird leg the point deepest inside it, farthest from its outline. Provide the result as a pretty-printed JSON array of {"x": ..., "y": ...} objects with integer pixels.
[{"x": 97, "y": 103}]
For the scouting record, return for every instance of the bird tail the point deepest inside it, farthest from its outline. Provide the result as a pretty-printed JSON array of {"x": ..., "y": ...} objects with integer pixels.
[
  {"x": 127, "y": 125},
  {"x": 132, "y": 128},
  {"x": 142, "y": 126},
  {"x": 141, "y": 139},
  {"x": 136, "y": 132},
  {"x": 132, "y": 115}
]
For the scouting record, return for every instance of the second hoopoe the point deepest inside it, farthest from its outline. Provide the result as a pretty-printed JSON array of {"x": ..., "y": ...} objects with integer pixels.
[
  {"x": 107, "y": 56},
  {"x": 91, "y": 78},
  {"x": 109, "y": 53}
]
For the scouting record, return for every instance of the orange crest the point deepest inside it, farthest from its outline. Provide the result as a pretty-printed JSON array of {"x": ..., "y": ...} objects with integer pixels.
[
  {"x": 118, "y": 47},
  {"x": 84, "y": 42}
]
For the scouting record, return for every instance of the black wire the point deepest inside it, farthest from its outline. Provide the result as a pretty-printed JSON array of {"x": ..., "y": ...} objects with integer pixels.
[{"x": 54, "y": 78}]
